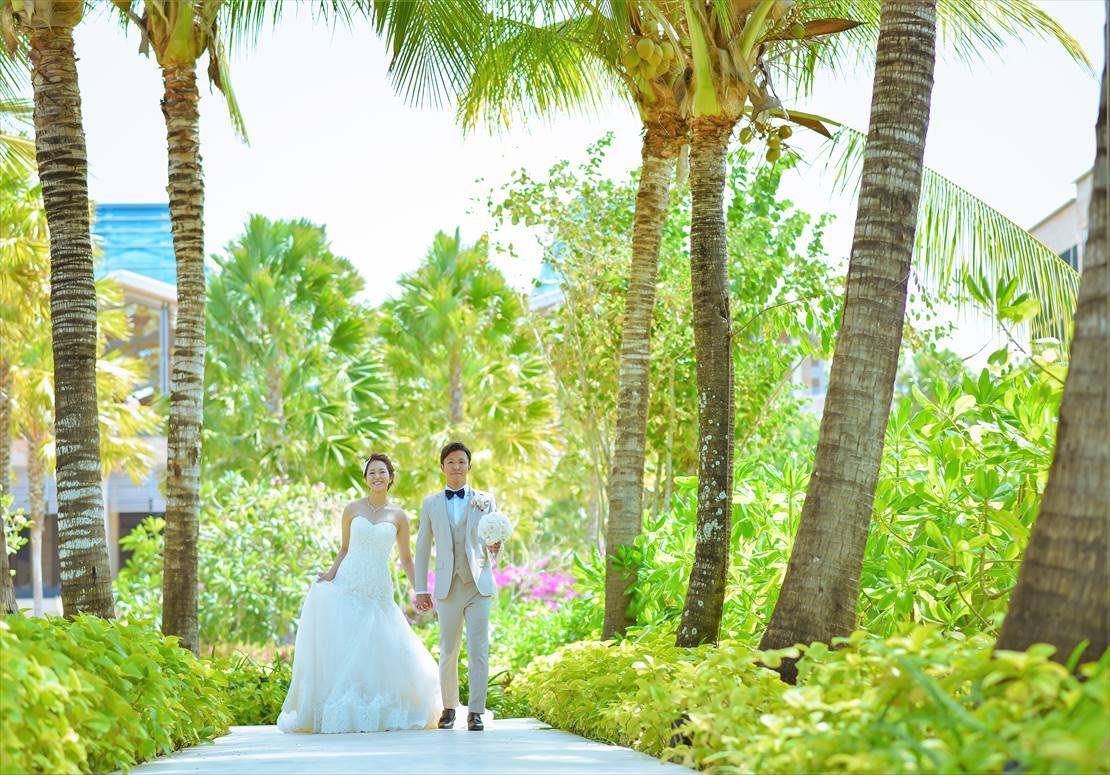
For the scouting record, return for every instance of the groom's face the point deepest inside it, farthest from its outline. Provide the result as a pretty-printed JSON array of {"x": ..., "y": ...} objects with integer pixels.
[{"x": 455, "y": 467}]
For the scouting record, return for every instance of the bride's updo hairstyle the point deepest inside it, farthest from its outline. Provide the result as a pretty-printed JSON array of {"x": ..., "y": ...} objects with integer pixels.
[{"x": 383, "y": 458}]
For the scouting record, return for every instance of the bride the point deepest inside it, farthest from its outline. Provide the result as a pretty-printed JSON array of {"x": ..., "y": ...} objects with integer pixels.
[{"x": 357, "y": 665}]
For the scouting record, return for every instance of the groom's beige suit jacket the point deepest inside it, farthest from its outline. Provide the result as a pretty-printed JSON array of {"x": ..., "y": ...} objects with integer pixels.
[{"x": 435, "y": 525}]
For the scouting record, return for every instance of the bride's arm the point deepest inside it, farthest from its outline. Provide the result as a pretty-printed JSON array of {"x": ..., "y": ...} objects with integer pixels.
[
  {"x": 348, "y": 514},
  {"x": 404, "y": 549}
]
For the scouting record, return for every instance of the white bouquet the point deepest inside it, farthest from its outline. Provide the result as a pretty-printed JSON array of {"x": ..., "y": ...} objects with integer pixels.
[{"x": 494, "y": 527}]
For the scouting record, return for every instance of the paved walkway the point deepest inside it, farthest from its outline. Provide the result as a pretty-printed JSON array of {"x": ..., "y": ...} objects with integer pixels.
[{"x": 507, "y": 746}]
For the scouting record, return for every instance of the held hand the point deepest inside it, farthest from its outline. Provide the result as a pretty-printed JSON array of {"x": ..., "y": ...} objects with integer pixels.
[
  {"x": 423, "y": 602},
  {"x": 324, "y": 577},
  {"x": 495, "y": 548}
]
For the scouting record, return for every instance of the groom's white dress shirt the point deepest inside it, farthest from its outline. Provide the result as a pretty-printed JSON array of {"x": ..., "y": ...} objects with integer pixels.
[{"x": 456, "y": 506}]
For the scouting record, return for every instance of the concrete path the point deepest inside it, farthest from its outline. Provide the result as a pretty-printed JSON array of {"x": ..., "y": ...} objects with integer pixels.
[{"x": 507, "y": 746}]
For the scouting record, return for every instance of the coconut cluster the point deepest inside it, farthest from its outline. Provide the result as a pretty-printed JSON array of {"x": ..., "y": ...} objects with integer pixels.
[
  {"x": 649, "y": 58},
  {"x": 772, "y": 136}
]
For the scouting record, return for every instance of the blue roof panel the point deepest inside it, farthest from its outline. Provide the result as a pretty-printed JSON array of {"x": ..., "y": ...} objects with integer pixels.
[{"x": 136, "y": 237}]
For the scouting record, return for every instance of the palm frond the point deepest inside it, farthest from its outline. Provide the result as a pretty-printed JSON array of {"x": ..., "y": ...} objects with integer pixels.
[
  {"x": 970, "y": 30},
  {"x": 960, "y": 236},
  {"x": 243, "y": 21},
  {"x": 15, "y": 68},
  {"x": 220, "y": 74},
  {"x": 431, "y": 43},
  {"x": 536, "y": 70},
  {"x": 17, "y": 148}
]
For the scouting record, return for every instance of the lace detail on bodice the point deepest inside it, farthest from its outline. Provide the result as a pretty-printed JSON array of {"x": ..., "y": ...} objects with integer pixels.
[{"x": 365, "y": 569}]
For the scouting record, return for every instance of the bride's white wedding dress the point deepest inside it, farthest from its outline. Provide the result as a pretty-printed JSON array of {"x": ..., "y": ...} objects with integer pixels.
[{"x": 357, "y": 665}]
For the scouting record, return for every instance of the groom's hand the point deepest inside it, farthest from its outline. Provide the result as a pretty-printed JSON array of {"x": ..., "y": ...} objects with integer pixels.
[
  {"x": 495, "y": 548},
  {"x": 423, "y": 602}
]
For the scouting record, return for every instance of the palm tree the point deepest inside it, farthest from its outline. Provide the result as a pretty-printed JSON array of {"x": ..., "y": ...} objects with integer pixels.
[
  {"x": 728, "y": 70},
  {"x": 63, "y": 168},
  {"x": 290, "y": 371},
  {"x": 819, "y": 594},
  {"x": 1063, "y": 591},
  {"x": 451, "y": 301},
  {"x": 179, "y": 32},
  {"x": 123, "y": 420},
  {"x": 29, "y": 367},
  {"x": 571, "y": 63},
  {"x": 584, "y": 50},
  {"x": 463, "y": 367},
  {"x": 638, "y": 50}
]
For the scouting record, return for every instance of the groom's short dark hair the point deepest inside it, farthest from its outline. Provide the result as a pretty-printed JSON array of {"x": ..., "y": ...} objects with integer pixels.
[{"x": 454, "y": 446}]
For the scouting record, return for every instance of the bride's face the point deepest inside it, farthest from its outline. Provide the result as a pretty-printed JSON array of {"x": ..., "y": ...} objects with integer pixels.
[{"x": 377, "y": 477}]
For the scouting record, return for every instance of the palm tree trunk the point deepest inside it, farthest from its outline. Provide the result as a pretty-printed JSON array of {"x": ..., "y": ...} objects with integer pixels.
[
  {"x": 701, "y": 614},
  {"x": 63, "y": 170},
  {"x": 36, "y": 485},
  {"x": 7, "y": 588},
  {"x": 626, "y": 478},
  {"x": 667, "y": 493},
  {"x": 1063, "y": 590},
  {"x": 454, "y": 377},
  {"x": 186, "y": 190},
  {"x": 821, "y": 589}
]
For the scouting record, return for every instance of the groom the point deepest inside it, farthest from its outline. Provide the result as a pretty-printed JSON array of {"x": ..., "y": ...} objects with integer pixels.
[{"x": 464, "y": 581}]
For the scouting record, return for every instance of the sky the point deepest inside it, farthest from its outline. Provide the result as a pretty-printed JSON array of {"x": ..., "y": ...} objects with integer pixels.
[{"x": 331, "y": 142}]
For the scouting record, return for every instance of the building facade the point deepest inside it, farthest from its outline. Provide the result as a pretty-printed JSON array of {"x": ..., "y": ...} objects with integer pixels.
[{"x": 1064, "y": 230}]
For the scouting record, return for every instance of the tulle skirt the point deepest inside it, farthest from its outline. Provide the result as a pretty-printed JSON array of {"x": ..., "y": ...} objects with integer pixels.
[{"x": 358, "y": 667}]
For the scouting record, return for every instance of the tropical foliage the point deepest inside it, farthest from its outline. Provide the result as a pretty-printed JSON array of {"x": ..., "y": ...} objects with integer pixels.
[
  {"x": 917, "y": 701},
  {"x": 463, "y": 365},
  {"x": 682, "y": 329},
  {"x": 784, "y": 295},
  {"x": 80, "y": 696},
  {"x": 261, "y": 543},
  {"x": 293, "y": 382}
]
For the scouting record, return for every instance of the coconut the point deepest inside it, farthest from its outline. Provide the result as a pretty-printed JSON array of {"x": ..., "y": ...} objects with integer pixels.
[{"x": 644, "y": 47}]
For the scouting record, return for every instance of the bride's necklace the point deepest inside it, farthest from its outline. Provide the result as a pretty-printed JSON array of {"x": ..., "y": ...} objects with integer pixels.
[{"x": 374, "y": 509}]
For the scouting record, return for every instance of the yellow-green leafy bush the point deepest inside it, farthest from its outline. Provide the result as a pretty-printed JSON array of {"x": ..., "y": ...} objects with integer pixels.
[
  {"x": 97, "y": 695},
  {"x": 919, "y": 701},
  {"x": 254, "y": 691}
]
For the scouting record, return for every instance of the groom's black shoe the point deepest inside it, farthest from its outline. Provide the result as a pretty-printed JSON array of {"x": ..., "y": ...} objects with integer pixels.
[
  {"x": 447, "y": 718},
  {"x": 474, "y": 722}
]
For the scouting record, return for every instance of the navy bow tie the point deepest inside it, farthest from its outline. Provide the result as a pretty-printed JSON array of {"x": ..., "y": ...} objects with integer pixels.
[{"x": 455, "y": 493}]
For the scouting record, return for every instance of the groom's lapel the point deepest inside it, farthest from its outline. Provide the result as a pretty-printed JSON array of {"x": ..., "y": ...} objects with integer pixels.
[
  {"x": 471, "y": 512},
  {"x": 444, "y": 514}
]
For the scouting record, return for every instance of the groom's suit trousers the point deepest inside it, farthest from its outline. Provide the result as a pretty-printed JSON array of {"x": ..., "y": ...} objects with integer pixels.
[{"x": 464, "y": 604}]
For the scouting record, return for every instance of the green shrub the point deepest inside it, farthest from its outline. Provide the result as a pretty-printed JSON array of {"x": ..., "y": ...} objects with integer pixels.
[
  {"x": 609, "y": 690},
  {"x": 260, "y": 545},
  {"x": 96, "y": 695},
  {"x": 920, "y": 701},
  {"x": 254, "y": 692},
  {"x": 963, "y": 471}
]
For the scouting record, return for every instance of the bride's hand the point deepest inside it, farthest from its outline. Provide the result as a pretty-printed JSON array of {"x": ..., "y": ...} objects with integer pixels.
[
  {"x": 495, "y": 548},
  {"x": 323, "y": 577}
]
